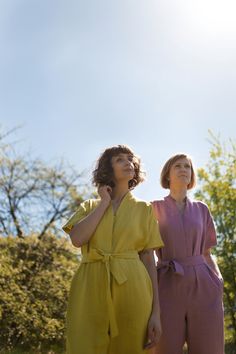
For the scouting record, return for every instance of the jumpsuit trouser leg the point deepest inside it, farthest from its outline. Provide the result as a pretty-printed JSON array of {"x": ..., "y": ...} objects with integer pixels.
[
  {"x": 173, "y": 299},
  {"x": 192, "y": 311},
  {"x": 205, "y": 316}
]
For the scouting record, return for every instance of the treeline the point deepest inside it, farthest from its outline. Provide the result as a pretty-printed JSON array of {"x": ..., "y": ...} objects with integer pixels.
[
  {"x": 218, "y": 189},
  {"x": 37, "y": 262},
  {"x": 35, "y": 196}
]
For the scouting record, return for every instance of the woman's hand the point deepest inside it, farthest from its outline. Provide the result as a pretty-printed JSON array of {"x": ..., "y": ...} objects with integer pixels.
[
  {"x": 211, "y": 261},
  {"x": 82, "y": 232},
  {"x": 105, "y": 193},
  {"x": 153, "y": 331}
]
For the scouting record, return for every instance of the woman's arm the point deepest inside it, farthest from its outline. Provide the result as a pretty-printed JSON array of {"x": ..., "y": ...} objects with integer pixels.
[
  {"x": 211, "y": 261},
  {"x": 81, "y": 233},
  {"x": 154, "y": 325}
]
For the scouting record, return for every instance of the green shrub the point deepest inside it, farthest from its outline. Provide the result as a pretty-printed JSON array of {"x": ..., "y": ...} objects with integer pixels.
[{"x": 35, "y": 277}]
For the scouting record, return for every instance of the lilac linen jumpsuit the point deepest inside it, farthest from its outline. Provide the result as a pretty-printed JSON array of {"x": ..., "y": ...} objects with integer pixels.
[{"x": 190, "y": 292}]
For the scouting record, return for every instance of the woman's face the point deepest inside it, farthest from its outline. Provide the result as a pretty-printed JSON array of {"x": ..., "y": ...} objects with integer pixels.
[
  {"x": 123, "y": 167},
  {"x": 180, "y": 173}
]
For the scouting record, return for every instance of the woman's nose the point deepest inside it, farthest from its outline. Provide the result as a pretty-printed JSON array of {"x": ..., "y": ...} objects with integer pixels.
[
  {"x": 129, "y": 163},
  {"x": 182, "y": 168}
]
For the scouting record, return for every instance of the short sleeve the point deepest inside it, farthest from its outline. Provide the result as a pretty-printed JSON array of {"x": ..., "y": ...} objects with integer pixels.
[
  {"x": 210, "y": 233},
  {"x": 154, "y": 236},
  {"x": 80, "y": 214}
]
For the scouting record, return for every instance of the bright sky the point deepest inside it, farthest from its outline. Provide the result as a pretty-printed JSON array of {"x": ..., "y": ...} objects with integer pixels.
[{"x": 84, "y": 75}]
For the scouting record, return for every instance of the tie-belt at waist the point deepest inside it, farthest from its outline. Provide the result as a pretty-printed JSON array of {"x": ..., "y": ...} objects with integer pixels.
[
  {"x": 112, "y": 267},
  {"x": 177, "y": 265}
]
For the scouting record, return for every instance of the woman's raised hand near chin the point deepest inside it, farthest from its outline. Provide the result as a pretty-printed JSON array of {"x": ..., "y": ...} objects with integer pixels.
[
  {"x": 84, "y": 229},
  {"x": 105, "y": 193}
]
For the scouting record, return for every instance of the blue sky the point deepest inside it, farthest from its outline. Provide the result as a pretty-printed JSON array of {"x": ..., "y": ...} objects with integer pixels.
[{"x": 80, "y": 76}]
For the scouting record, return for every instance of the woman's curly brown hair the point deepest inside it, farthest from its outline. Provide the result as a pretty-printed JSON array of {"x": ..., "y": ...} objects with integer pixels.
[{"x": 103, "y": 173}]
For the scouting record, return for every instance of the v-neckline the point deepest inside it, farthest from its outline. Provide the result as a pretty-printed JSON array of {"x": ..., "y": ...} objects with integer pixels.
[
  {"x": 121, "y": 204},
  {"x": 180, "y": 212}
]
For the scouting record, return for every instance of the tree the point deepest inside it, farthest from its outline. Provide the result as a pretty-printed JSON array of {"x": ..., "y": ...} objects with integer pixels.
[
  {"x": 218, "y": 190},
  {"x": 35, "y": 271},
  {"x": 35, "y": 197}
]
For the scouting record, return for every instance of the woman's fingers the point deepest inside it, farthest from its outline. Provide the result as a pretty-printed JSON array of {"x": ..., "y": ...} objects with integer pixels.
[
  {"x": 154, "y": 333},
  {"x": 150, "y": 338},
  {"x": 105, "y": 192}
]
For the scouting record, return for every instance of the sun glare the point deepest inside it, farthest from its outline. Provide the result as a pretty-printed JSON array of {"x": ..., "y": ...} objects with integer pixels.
[{"x": 216, "y": 17}]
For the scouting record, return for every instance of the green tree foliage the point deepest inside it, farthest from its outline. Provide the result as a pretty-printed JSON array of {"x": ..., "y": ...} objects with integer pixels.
[
  {"x": 36, "y": 263},
  {"x": 35, "y": 277},
  {"x": 218, "y": 190}
]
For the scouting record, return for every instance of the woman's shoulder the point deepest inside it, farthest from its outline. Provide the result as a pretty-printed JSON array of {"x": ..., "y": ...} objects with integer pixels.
[
  {"x": 198, "y": 202},
  {"x": 158, "y": 202},
  {"x": 141, "y": 203}
]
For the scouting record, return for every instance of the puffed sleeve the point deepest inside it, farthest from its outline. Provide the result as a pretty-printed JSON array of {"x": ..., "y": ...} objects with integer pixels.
[
  {"x": 210, "y": 233},
  {"x": 81, "y": 213},
  {"x": 154, "y": 239}
]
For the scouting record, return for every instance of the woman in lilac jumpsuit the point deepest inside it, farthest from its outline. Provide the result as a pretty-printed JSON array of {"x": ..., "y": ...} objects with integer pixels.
[{"x": 190, "y": 283}]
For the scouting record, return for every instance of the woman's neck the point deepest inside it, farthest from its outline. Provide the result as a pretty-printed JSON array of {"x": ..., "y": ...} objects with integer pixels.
[
  {"x": 119, "y": 191},
  {"x": 179, "y": 194}
]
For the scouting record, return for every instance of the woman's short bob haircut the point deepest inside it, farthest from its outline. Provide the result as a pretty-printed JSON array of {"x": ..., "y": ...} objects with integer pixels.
[
  {"x": 103, "y": 173},
  {"x": 165, "y": 182}
]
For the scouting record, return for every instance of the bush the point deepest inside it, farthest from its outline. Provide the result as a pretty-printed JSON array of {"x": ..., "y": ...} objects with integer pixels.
[{"x": 34, "y": 282}]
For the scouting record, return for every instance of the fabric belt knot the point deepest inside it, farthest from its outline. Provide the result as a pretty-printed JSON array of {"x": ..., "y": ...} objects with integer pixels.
[
  {"x": 177, "y": 265},
  {"x": 112, "y": 267},
  {"x": 106, "y": 258}
]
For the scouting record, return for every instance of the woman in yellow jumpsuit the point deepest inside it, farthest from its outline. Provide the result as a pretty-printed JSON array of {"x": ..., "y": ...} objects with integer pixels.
[{"x": 113, "y": 304}]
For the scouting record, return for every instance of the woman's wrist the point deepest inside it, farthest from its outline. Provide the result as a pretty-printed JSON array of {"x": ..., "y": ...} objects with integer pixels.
[
  {"x": 104, "y": 203},
  {"x": 156, "y": 309}
]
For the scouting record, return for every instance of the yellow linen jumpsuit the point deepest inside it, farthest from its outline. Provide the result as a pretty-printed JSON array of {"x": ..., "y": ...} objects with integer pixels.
[{"x": 110, "y": 300}]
